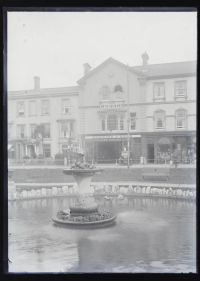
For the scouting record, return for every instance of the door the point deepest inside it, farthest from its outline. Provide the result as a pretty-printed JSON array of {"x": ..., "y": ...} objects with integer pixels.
[{"x": 150, "y": 154}]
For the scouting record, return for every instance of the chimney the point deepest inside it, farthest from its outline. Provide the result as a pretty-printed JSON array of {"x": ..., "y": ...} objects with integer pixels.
[
  {"x": 86, "y": 67},
  {"x": 145, "y": 58},
  {"x": 36, "y": 83}
]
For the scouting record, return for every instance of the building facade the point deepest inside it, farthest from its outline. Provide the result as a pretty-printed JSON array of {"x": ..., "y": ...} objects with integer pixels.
[
  {"x": 149, "y": 110},
  {"x": 42, "y": 122}
]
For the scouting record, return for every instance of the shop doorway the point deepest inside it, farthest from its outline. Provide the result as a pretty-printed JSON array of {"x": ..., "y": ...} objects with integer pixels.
[{"x": 150, "y": 153}]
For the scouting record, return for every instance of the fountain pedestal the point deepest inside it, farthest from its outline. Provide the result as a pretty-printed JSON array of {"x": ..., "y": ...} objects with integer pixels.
[{"x": 85, "y": 211}]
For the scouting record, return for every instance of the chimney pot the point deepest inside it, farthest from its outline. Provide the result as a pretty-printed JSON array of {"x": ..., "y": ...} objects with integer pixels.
[
  {"x": 86, "y": 67},
  {"x": 36, "y": 82},
  {"x": 145, "y": 58}
]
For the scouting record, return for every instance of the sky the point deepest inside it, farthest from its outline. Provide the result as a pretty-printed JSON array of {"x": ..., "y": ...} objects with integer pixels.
[{"x": 55, "y": 45}]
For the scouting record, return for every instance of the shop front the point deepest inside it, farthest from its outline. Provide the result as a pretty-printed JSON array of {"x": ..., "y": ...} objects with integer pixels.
[
  {"x": 164, "y": 148},
  {"x": 110, "y": 149}
]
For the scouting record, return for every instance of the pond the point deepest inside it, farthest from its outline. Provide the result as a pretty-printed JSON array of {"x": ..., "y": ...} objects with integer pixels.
[{"x": 151, "y": 235}]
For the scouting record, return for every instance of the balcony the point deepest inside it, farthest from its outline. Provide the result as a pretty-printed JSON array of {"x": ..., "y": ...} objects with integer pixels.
[{"x": 112, "y": 106}]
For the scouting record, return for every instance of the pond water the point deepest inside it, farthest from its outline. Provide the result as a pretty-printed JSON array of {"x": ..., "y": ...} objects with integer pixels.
[{"x": 151, "y": 235}]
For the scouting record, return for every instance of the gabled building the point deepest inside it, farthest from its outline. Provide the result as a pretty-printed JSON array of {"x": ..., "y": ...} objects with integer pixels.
[{"x": 157, "y": 102}]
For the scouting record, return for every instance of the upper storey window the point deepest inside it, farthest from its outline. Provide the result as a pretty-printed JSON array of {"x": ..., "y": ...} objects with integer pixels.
[
  {"x": 66, "y": 106},
  {"x": 45, "y": 107},
  {"x": 32, "y": 108},
  {"x": 159, "y": 117},
  {"x": 180, "y": 89},
  {"x": 181, "y": 115},
  {"x": 20, "y": 108},
  {"x": 112, "y": 122},
  {"x": 118, "y": 91},
  {"x": 105, "y": 93},
  {"x": 159, "y": 91}
]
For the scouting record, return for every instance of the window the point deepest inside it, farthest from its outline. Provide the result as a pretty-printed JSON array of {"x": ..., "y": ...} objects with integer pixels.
[
  {"x": 159, "y": 119},
  {"x": 9, "y": 130},
  {"x": 32, "y": 108},
  {"x": 20, "y": 108},
  {"x": 180, "y": 89},
  {"x": 121, "y": 123},
  {"x": 66, "y": 106},
  {"x": 181, "y": 119},
  {"x": 112, "y": 122},
  {"x": 159, "y": 90},
  {"x": 46, "y": 133},
  {"x": 133, "y": 120},
  {"x": 118, "y": 88},
  {"x": 45, "y": 107},
  {"x": 105, "y": 93},
  {"x": 47, "y": 150},
  {"x": 32, "y": 131},
  {"x": 103, "y": 124},
  {"x": 64, "y": 130},
  {"x": 21, "y": 131},
  {"x": 65, "y": 148}
]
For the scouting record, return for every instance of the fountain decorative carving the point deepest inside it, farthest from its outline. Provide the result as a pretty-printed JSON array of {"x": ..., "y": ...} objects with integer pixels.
[{"x": 85, "y": 212}]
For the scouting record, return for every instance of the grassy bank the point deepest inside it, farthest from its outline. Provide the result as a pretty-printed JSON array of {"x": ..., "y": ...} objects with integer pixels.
[{"x": 179, "y": 175}]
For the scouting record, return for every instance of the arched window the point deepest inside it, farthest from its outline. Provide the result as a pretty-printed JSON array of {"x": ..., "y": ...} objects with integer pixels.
[
  {"x": 112, "y": 122},
  {"x": 181, "y": 115},
  {"x": 118, "y": 88},
  {"x": 105, "y": 93},
  {"x": 159, "y": 118}
]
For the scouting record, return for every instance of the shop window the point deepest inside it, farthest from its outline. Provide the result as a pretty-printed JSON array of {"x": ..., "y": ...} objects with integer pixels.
[
  {"x": 112, "y": 122},
  {"x": 180, "y": 89},
  {"x": 47, "y": 150},
  {"x": 133, "y": 120},
  {"x": 105, "y": 93},
  {"x": 159, "y": 118},
  {"x": 45, "y": 107},
  {"x": 32, "y": 108},
  {"x": 21, "y": 131},
  {"x": 20, "y": 108},
  {"x": 66, "y": 106},
  {"x": 159, "y": 90},
  {"x": 181, "y": 119}
]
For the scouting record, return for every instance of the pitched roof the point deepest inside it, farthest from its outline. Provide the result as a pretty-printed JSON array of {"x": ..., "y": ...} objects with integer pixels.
[
  {"x": 45, "y": 92},
  {"x": 168, "y": 69},
  {"x": 109, "y": 60}
]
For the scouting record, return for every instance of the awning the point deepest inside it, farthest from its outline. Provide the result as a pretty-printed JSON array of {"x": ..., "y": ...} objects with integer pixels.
[{"x": 165, "y": 141}]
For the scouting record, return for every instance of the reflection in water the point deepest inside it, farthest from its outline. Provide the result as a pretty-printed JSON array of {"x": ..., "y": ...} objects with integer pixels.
[{"x": 151, "y": 235}]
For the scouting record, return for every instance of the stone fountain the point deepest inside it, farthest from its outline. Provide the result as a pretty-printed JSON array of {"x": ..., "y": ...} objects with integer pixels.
[{"x": 85, "y": 212}]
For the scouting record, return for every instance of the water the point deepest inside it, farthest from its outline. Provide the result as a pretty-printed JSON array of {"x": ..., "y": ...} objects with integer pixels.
[{"x": 151, "y": 235}]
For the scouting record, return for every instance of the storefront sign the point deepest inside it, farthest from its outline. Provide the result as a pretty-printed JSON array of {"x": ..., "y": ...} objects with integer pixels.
[{"x": 111, "y": 137}]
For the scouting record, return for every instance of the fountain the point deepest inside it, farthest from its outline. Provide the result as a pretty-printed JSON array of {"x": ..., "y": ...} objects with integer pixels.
[{"x": 85, "y": 212}]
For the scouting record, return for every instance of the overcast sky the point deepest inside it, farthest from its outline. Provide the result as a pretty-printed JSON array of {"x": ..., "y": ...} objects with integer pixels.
[{"x": 54, "y": 45}]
